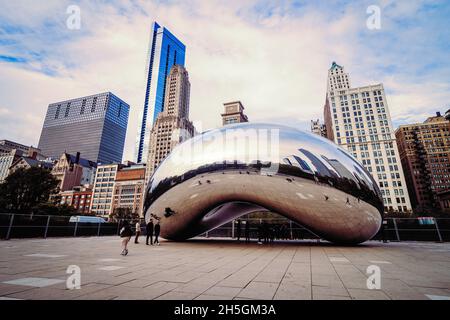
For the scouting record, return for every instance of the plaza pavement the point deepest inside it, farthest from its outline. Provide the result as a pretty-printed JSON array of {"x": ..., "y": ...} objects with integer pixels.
[{"x": 222, "y": 269}]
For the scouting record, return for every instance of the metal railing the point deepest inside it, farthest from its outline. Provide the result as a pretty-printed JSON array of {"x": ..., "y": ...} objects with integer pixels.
[
  {"x": 394, "y": 229},
  {"x": 13, "y": 225}
]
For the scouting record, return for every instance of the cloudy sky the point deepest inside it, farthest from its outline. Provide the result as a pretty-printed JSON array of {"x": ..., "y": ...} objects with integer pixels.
[{"x": 271, "y": 55}]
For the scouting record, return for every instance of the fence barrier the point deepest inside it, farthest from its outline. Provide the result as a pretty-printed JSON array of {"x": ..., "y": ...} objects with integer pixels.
[{"x": 14, "y": 225}]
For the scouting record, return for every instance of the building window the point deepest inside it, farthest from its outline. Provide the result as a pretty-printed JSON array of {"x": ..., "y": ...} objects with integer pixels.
[
  {"x": 67, "y": 110},
  {"x": 83, "y": 106},
  {"x": 58, "y": 109},
  {"x": 94, "y": 104}
]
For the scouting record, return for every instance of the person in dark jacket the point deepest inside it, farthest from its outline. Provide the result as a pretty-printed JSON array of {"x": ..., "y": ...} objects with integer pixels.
[
  {"x": 238, "y": 229},
  {"x": 150, "y": 231},
  {"x": 157, "y": 232},
  {"x": 125, "y": 234},
  {"x": 247, "y": 231}
]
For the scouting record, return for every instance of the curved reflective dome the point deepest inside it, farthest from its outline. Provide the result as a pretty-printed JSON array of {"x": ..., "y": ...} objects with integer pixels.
[{"x": 225, "y": 173}]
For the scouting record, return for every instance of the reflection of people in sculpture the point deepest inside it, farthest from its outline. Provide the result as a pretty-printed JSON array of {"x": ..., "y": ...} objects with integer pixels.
[
  {"x": 247, "y": 231},
  {"x": 238, "y": 229},
  {"x": 168, "y": 212}
]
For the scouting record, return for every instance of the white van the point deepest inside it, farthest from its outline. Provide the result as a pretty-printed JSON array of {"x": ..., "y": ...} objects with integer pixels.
[{"x": 86, "y": 219}]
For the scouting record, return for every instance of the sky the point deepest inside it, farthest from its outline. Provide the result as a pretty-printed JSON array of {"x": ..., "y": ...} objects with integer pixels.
[{"x": 271, "y": 55}]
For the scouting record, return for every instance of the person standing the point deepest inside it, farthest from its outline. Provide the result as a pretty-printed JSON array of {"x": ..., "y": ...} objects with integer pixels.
[
  {"x": 384, "y": 231},
  {"x": 247, "y": 231},
  {"x": 125, "y": 234},
  {"x": 150, "y": 231},
  {"x": 138, "y": 232},
  {"x": 157, "y": 232},
  {"x": 238, "y": 229}
]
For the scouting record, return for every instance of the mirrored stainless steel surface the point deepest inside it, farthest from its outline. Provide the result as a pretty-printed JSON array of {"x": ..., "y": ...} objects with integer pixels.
[{"x": 225, "y": 173}]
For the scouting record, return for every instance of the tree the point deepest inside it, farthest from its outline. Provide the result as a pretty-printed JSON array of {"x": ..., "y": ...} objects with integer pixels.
[
  {"x": 24, "y": 189},
  {"x": 51, "y": 209}
]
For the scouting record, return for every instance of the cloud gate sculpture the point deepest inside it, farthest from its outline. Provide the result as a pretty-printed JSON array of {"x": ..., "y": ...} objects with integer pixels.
[{"x": 226, "y": 173}]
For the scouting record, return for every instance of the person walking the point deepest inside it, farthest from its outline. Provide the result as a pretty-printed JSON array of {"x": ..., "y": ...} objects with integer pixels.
[
  {"x": 138, "y": 232},
  {"x": 238, "y": 229},
  {"x": 157, "y": 232},
  {"x": 125, "y": 234},
  {"x": 149, "y": 230}
]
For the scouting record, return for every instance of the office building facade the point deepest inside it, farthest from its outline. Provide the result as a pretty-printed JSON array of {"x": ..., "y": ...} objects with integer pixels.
[
  {"x": 6, "y": 161},
  {"x": 103, "y": 190},
  {"x": 79, "y": 198},
  {"x": 425, "y": 156},
  {"x": 233, "y": 113},
  {"x": 172, "y": 126},
  {"x": 6, "y": 146},
  {"x": 95, "y": 126},
  {"x": 358, "y": 119},
  {"x": 318, "y": 128},
  {"x": 165, "y": 50},
  {"x": 129, "y": 189}
]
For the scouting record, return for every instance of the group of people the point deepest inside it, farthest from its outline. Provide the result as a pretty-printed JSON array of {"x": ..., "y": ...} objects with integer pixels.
[
  {"x": 266, "y": 232},
  {"x": 152, "y": 230}
]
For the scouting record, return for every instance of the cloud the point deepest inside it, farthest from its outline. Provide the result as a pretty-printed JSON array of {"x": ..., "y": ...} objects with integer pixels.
[{"x": 273, "y": 56}]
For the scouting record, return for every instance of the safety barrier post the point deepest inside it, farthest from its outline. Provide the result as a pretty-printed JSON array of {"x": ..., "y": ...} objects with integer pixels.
[
  {"x": 290, "y": 227},
  {"x": 396, "y": 229},
  {"x": 98, "y": 229},
  {"x": 46, "y": 227},
  {"x": 437, "y": 229},
  {"x": 75, "y": 231},
  {"x": 8, "y": 234},
  {"x": 232, "y": 229}
]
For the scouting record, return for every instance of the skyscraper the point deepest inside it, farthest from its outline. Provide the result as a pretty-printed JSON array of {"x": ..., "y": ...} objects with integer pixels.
[
  {"x": 165, "y": 50},
  {"x": 172, "y": 126},
  {"x": 95, "y": 126},
  {"x": 358, "y": 119},
  {"x": 425, "y": 155}
]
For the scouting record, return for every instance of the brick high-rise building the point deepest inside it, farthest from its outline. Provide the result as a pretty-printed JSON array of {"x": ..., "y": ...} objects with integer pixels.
[
  {"x": 425, "y": 156},
  {"x": 358, "y": 119}
]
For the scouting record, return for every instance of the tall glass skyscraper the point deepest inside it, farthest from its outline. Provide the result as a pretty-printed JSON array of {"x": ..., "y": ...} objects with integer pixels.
[
  {"x": 165, "y": 50},
  {"x": 95, "y": 126}
]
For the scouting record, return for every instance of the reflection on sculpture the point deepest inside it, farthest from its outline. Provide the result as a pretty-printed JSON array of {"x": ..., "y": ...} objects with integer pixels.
[{"x": 225, "y": 173}]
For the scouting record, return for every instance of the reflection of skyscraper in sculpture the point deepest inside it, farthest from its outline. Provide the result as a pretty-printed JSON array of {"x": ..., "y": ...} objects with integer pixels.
[
  {"x": 172, "y": 126},
  {"x": 321, "y": 168},
  {"x": 165, "y": 50},
  {"x": 340, "y": 168}
]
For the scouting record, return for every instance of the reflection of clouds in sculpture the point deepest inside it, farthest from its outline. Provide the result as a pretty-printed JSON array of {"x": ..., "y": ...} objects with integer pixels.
[{"x": 225, "y": 171}]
